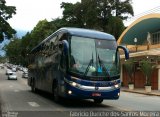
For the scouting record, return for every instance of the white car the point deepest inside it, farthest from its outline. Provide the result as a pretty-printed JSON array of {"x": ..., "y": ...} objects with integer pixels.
[
  {"x": 25, "y": 75},
  {"x": 14, "y": 69},
  {"x": 25, "y": 70},
  {"x": 12, "y": 76},
  {"x": 8, "y": 71}
]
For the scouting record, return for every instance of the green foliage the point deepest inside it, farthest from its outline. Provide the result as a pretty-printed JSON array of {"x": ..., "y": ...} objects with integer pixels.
[
  {"x": 147, "y": 69},
  {"x": 40, "y": 32},
  {"x": 72, "y": 14},
  {"x": 13, "y": 51},
  {"x": 115, "y": 26},
  {"x": 129, "y": 66},
  {"x": 18, "y": 50},
  {"x": 123, "y": 8},
  {"x": 58, "y": 23},
  {"x": 3, "y": 59},
  {"x": 104, "y": 15},
  {"x": 6, "y": 13}
]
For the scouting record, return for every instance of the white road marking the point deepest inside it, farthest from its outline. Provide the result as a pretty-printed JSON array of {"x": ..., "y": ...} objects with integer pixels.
[
  {"x": 33, "y": 104},
  {"x": 60, "y": 110},
  {"x": 10, "y": 86},
  {"x": 16, "y": 90}
]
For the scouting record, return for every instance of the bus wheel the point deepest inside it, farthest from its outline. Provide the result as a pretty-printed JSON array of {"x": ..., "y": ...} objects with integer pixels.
[
  {"x": 33, "y": 88},
  {"x": 98, "y": 101},
  {"x": 55, "y": 93}
]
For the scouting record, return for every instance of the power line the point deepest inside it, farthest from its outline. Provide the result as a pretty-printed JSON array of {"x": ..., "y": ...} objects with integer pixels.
[
  {"x": 153, "y": 10},
  {"x": 149, "y": 11}
]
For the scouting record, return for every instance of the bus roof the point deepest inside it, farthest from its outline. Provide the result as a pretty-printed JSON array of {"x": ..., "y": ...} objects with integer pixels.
[
  {"x": 79, "y": 32},
  {"x": 88, "y": 33}
]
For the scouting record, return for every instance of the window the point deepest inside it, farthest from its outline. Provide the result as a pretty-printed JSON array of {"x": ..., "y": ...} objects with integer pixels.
[{"x": 156, "y": 38}]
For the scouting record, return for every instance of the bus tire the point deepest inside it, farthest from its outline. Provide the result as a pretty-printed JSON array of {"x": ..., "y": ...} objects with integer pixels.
[
  {"x": 33, "y": 87},
  {"x": 56, "y": 96},
  {"x": 98, "y": 101}
]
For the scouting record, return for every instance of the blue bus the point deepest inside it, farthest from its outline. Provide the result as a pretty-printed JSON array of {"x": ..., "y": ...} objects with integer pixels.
[{"x": 77, "y": 63}]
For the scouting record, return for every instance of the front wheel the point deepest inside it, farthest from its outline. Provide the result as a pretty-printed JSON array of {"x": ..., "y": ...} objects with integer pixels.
[
  {"x": 98, "y": 101},
  {"x": 33, "y": 88},
  {"x": 55, "y": 93}
]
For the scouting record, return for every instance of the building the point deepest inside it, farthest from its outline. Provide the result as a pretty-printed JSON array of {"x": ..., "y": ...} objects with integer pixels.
[{"x": 142, "y": 38}]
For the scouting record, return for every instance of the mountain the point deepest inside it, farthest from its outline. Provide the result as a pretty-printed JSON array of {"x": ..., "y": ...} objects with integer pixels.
[
  {"x": 2, "y": 44},
  {"x": 21, "y": 33}
]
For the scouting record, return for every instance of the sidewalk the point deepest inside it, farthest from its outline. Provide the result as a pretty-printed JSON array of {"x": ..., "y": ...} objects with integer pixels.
[{"x": 141, "y": 91}]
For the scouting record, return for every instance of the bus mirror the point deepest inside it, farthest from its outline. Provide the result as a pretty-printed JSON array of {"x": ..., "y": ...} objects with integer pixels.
[
  {"x": 61, "y": 45},
  {"x": 126, "y": 51},
  {"x": 65, "y": 46}
]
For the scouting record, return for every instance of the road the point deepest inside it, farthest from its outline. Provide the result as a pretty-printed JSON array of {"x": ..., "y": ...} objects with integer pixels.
[{"x": 16, "y": 98}]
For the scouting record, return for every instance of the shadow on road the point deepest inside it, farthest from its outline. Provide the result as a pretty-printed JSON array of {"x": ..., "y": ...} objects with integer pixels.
[{"x": 73, "y": 103}]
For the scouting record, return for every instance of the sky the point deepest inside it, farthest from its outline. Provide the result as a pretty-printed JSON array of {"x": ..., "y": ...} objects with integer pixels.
[{"x": 29, "y": 12}]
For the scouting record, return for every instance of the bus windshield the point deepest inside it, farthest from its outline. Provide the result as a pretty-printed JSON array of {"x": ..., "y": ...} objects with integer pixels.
[{"x": 93, "y": 57}]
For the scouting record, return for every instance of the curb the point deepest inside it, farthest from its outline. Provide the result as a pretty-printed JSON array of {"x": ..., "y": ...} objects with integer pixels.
[{"x": 138, "y": 92}]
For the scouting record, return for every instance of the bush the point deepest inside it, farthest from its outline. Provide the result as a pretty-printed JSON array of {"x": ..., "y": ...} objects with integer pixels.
[{"x": 147, "y": 69}]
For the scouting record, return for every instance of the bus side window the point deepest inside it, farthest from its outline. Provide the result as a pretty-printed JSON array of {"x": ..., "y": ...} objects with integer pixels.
[
  {"x": 62, "y": 63},
  {"x": 63, "y": 37},
  {"x": 52, "y": 42},
  {"x": 31, "y": 59},
  {"x": 51, "y": 46}
]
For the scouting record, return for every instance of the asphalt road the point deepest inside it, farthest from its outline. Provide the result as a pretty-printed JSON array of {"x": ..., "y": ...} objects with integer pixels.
[{"x": 17, "y": 99}]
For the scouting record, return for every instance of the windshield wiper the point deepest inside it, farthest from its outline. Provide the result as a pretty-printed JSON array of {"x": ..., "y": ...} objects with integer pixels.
[
  {"x": 103, "y": 66},
  {"x": 90, "y": 63}
]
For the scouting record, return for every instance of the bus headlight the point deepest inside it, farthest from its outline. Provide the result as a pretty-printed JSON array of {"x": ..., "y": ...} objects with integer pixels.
[
  {"x": 69, "y": 92},
  {"x": 116, "y": 86},
  {"x": 74, "y": 84}
]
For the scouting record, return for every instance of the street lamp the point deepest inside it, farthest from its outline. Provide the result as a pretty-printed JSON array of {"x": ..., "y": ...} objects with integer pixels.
[{"x": 135, "y": 41}]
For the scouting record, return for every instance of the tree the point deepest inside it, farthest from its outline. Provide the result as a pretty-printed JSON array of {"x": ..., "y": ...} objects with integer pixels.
[
  {"x": 72, "y": 14},
  {"x": 6, "y": 12},
  {"x": 58, "y": 23},
  {"x": 109, "y": 8},
  {"x": 3, "y": 59},
  {"x": 123, "y": 9},
  {"x": 42, "y": 30},
  {"x": 129, "y": 67},
  {"x": 147, "y": 69},
  {"x": 13, "y": 51},
  {"x": 115, "y": 26},
  {"x": 103, "y": 15},
  {"x": 18, "y": 50}
]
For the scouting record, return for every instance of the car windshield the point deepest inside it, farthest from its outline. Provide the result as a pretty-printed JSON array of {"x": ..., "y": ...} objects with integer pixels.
[
  {"x": 10, "y": 73},
  {"x": 93, "y": 57}
]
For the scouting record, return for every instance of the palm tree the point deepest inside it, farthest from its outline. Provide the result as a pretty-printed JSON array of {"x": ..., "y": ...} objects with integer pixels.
[
  {"x": 147, "y": 69},
  {"x": 129, "y": 66}
]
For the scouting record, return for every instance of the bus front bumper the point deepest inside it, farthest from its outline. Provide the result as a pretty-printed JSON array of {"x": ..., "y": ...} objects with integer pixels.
[{"x": 96, "y": 93}]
